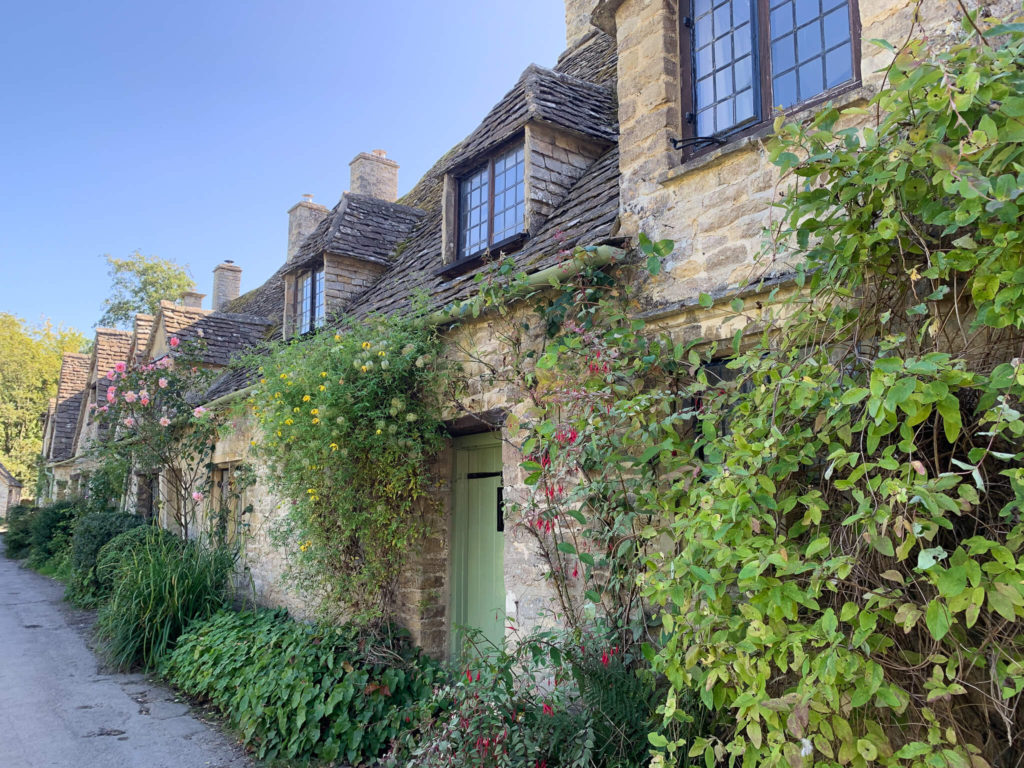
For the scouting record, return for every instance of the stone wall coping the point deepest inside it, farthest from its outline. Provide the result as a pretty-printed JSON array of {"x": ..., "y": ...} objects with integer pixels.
[{"x": 856, "y": 94}]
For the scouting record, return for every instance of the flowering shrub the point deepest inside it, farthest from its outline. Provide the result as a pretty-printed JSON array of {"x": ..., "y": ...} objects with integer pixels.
[
  {"x": 349, "y": 422},
  {"x": 153, "y": 425}
]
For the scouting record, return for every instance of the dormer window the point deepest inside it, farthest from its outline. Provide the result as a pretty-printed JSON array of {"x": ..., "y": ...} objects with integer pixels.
[
  {"x": 492, "y": 203},
  {"x": 309, "y": 301}
]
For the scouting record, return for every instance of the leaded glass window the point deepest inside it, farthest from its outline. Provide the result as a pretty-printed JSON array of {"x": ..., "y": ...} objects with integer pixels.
[
  {"x": 748, "y": 57},
  {"x": 309, "y": 301},
  {"x": 492, "y": 204}
]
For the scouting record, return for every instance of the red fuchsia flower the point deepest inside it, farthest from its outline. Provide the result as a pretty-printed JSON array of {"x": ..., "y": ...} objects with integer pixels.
[
  {"x": 164, "y": 422},
  {"x": 575, "y": 571},
  {"x": 162, "y": 383},
  {"x": 129, "y": 422},
  {"x": 604, "y": 658},
  {"x": 478, "y": 675},
  {"x": 548, "y": 709},
  {"x": 130, "y": 397},
  {"x": 174, "y": 342},
  {"x": 469, "y": 675},
  {"x": 120, "y": 367},
  {"x": 545, "y": 461},
  {"x": 197, "y": 495}
]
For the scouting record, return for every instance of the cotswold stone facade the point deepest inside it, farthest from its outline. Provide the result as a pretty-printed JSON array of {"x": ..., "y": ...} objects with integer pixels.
[{"x": 590, "y": 152}]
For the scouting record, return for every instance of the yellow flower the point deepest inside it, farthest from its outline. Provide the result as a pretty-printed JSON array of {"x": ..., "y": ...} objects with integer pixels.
[
  {"x": 382, "y": 353},
  {"x": 334, "y": 446},
  {"x": 252, "y": 442},
  {"x": 279, "y": 433},
  {"x": 263, "y": 381},
  {"x": 379, "y": 431},
  {"x": 314, "y": 412},
  {"x": 323, "y": 374},
  {"x": 323, "y": 388},
  {"x": 366, "y": 345},
  {"x": 277, "y": 394},
  {"x": 337, "y": 337},
  {"x": 289, "y": 422},
  {"x": 316, "y": 421},
  {"x": 305, "y": 398},
  {"x": 310, "y": 490},
  {"x": 363, "y": 368},
  {"x": 284, "y": 375},
  {"x": 296, "y": 409}
]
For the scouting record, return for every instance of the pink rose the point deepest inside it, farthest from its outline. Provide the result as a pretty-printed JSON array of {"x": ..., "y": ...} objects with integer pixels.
[
  {"x": 111, "y": 394},
  {"x": 130, "y": 397},
  {"x": 164, "y": 421},
  {"x": 129, "y": 422},
  {"x": 197, "y": 495},
  {"x": 162, "y": 383},
  {"x": 174, "y": 342},
  {"x": 120, "y": 367},
  {"x": 111, "y": 374},
  {"x": 198, "y": 412},
  {"x": 144, "y": 400}
]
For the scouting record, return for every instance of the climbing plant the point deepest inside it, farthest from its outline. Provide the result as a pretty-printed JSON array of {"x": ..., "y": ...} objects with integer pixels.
[
  {"x": 846, "y": 573},
  {"x": 150, "y": 423},
  {"x": 349, "y": 423}
]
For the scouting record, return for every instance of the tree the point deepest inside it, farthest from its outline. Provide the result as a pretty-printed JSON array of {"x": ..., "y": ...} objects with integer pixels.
[
  {"x": 29, "y": 370},
  {"x": 138, "y": 284}
]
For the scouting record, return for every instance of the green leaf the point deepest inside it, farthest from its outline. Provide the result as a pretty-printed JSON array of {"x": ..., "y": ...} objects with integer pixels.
[
  {"x": 567, "y": 547},
  {"x": 938, "y": 619},
  {"x": 949, "y": 409},
  {"x": 705, "y": 300},
  {"x": 653, "y": 264}
]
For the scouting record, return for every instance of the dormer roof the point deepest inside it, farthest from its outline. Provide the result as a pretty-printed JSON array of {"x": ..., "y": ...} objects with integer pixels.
[
  {"x": 548, "y": 96},
  {"x": 360, "y": 227},
  {"x": 224, "y": 333}
]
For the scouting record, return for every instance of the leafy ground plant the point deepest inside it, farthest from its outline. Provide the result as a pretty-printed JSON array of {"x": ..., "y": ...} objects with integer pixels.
[{"x": 300, "y": 691}]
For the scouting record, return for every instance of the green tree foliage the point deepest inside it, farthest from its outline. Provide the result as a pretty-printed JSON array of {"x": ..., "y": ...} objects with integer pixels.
[
  {"x": 138, "y": 284},
  {"x": 30, "y": 359}
]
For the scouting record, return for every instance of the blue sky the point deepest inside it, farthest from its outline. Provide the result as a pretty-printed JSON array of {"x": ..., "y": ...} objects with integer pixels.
[{"x": 188, "y": 129}]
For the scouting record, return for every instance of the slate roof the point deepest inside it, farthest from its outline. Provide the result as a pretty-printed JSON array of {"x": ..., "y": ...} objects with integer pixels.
[
  {"x": 112, "y": 346},
  {"x": 578, "y": 95},
  {"x": 224, "y": 333},
  {"x": 548, "y": 96},
  {"x": 74, "y": 376},
  {"x": 9, "y": 479},
  {"x": 359, "y": 226}
]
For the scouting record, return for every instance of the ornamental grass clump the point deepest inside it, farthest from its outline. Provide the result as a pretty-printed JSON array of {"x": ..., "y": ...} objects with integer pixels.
[
  {"x": 349, "y": 424},
  {"x": 160, "y": 585}
]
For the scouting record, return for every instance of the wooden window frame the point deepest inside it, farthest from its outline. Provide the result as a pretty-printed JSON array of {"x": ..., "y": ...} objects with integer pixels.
[
  {"x": 762, "y": 79},
  {"x": 510, "y": 242}
]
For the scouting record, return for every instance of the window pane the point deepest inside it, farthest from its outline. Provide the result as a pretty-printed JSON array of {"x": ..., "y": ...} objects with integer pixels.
[
  {"x": 473, "y": 204},
  {"x": 723, "y": 65},
  {"x": 509, "y": 206},
  {"x": 820, "y": 51},
  {"x": 318, "y": 299}
]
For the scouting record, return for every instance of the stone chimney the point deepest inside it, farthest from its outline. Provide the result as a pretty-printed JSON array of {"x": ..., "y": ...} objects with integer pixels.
[
  {"x": 227, "y": 284},
  {"x": 374, "y": 175},
  {"x": 302, "y": 220},
  {"x": 577, "y": 20},
  {"x": 192, "y": 299}
]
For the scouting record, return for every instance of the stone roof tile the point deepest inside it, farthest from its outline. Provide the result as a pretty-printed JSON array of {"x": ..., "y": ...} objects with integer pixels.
[
  {"x": 74, "y": 376},
  {"x": 223, "y": 333}
]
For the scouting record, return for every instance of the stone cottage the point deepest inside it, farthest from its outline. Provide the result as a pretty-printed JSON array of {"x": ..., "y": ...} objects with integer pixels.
[
  {"x": 653, "y": 120},
  {"x": 10, "y": 491}
]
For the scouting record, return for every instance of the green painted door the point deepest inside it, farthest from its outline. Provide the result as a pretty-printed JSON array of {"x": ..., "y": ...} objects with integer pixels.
[{"x": 478, "y": 573}]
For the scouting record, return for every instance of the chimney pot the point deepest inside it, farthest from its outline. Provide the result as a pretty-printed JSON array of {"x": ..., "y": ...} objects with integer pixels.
[
  {"x": 227, "y": 283},
  {"x": 375, "y": 175}
]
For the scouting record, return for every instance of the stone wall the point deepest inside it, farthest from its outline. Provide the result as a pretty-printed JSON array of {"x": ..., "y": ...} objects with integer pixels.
[
  {"x": 345, "y": 278},
  {"x": 716, "y": 205},
  {"x": 555, "y": 160},
  {"x": 303, "y": 218}
]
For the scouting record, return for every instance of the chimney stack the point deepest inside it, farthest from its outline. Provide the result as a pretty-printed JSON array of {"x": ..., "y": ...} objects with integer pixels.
[
  {"x": 227, "y": 284},
  {"x": 374, "y": 175},
  {"x": 302, "y": 220},
  {"x": 192, "y": 299},
  {"x": 577, "y": 20}
]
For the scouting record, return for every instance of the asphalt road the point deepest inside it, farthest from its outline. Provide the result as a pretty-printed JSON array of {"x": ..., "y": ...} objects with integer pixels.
[{"x": 60, "y": 709}]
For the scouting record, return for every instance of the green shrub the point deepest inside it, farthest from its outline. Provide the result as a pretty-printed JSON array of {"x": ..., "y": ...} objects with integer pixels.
[
  {"x": 92, "y": 532},
  {"x": 160, "y": 585},
  {"x": 18, "y": 539},
  {"x": 51, "y": 530},
  {"x": 111, "y": 554},
  {"x": 301, "y": 691}
]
